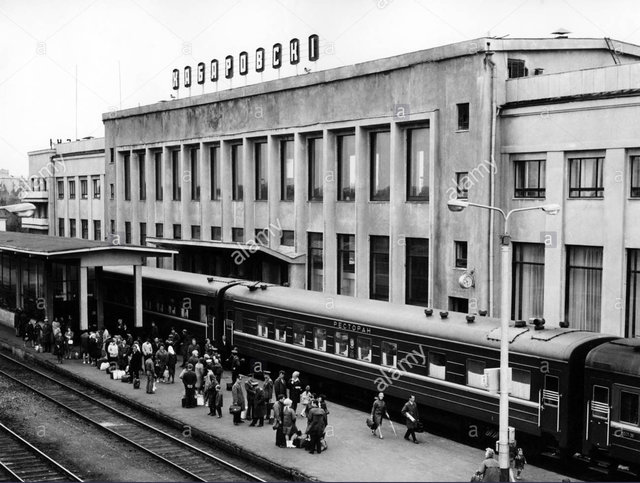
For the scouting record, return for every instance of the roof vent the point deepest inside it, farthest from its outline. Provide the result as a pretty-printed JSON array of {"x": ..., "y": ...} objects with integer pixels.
[
  {"x": 520, "y": 323},
  {"x": 561, "y": 33},
  {"x": 428, "y": 312},
  {"x": 564, "y": 324},
  {"x": 444, "y": 314},
  {"x": 538, "y": 323}
]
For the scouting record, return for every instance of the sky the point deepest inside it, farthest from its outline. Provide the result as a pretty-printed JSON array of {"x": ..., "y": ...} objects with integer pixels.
[{"x": 63, "y": 63}]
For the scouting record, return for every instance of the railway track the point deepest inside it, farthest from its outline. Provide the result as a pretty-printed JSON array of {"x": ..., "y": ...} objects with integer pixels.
[
  {"x": 163, "y": 443},
  {"x": 22, "y": 461}
]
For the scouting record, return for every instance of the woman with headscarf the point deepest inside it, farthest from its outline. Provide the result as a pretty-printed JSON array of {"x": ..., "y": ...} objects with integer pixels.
[
  {"x": 171, "y": 364},
  {"x": 289, "y": 422},
  {"x": 378, "y": 411}
]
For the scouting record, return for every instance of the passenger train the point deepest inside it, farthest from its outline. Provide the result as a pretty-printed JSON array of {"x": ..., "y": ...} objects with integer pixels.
[{"x": 573, "y": 390}]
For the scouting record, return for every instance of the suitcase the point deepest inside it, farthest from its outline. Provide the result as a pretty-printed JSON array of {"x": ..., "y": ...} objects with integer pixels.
[
  {"x": 125, "y": 378},
  {"x": 200, "y": 400},
  {"x": 136, "y": 383},
  {"x": 229, "y": 386}
]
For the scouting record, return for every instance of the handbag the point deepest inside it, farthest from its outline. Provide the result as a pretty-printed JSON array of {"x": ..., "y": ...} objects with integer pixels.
[
  {"x": 234, "y": 408},
  {"x": 371, "y": 423},
  {"x": 419, "y": 426}
]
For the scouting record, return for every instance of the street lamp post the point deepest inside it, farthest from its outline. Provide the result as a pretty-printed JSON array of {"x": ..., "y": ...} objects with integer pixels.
[{"x": 505, "y": 313}]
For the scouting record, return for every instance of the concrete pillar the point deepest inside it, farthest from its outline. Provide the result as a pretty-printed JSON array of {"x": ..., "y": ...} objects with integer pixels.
[
  {"x": 134, "y": 205},
  {"x": 205, "y": 193},
  {"x": 433, "y": 199},
  {"x": 99, "y": 295},
  {"x": 137, "y": 283},
  {"x": 300, "y": 203},
  {"x": 249, "y": 188},
  {"x": 84, "y": 305},
  {"x": 553, "y": 238},
  {"x": 363, "y": 176},
  {"x": 330, "y": 196},
  {"x": 397, "y": 196},
  {"x": 613, "y": 256},
  {"x": 185, "y": 188},
  {"x": 48, "y": 289}
]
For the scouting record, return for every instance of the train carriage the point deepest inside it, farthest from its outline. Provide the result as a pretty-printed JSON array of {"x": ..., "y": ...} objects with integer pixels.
[{"x": 397, "y": 348}]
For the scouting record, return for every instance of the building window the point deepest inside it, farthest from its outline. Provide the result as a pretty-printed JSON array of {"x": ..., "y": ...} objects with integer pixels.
[
  {"x": 417, "y": 271},
  {"x": 459, "y": 304},
  {"x": 585, "y": 178},
  {"x": 84, "y": 229},
  {"x": 286, "y": 170},
  {"x": 60, "y": 189},
  {"x": 314, "y": 153},
  {"x": 287, "y": 238},
  {"x": 142, "y": 174},
  {"x": 177, "y": 231},
  {"x": 364, "y": 348},
  {"x": 126, "y": 161},
  {"x": 96, "y": 187},
  {"x": 463, "y": 116},
  {"x": 237, "y": 235},
  {"x": 462, "y": 185},
  {"x": 72, "y": 189},
  {"x": 61, "y": 226},
  {"x": 527, "y": 299},
  {"x": 158, "y": 175},
  {"x": 460, "y": 249},
  {"x": 127, "y": 232},
  {"x": 216, "y": 233},
  {"x": 347, "y": 264},
  {"x": 97, "y": 230},
  {"x": 516, "y": 68},
  {"x": 236, "y": 172},
  {"x": 159, "y": 230},
  {"x": 112, "y": 191},
  {"x": 262, "y": 237},
  {"x": 112, "y": 225},
  {"x": 635, "y": 177},
  {"x": 584, "y": 287},
  {"x": 214, "y": 172},
  {"x": 418, "y": 164},
  {"x": 530, "y": 178},
  {"x": 341, "y": 343},
  {"x": 262, "y": 173},
  {"x": 379, "y": 268},
  {"x": 437, "y": 365},
  {"x": 315, "y": 262},
  {"x": 72, "y": 227},
  {"x": 299, "y": 337},
  {"x": 389, "y": 351},
  {"x": 475, "y": 371},
  {"x": 176, "y": 179},
  {"x": 84, "y": 188},
  {"x": 380, "y": 160},
  {"x": 195, "y": 232},
  {"x": 632, "y": 315},
  {"x": 112, "y": 156},
  {"x": 143, "y": 234},
  {"x": 320, "y": 339},
  {"x": 346, "y": 167},
  {"x": 195, "y": 173}
]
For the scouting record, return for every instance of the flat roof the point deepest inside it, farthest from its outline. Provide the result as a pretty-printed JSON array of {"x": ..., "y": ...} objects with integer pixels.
[{"x": 51, "y": 246}]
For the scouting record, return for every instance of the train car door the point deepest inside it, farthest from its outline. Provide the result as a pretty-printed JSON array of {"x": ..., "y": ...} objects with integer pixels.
[
  {"x": 599, "y": 416},
  {"x": 550, "y": 417}
]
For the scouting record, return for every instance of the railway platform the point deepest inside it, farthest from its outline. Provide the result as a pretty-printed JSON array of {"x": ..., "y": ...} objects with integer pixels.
[{"x": 353, "y": 454}]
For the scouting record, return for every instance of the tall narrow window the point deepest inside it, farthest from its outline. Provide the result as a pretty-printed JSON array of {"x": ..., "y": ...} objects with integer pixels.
[
  {"x": 314, "y": 153},
  {"x": 195, "y": 232},
  {"x": 72, "y": 227},
  {"x": 418, "y": 164},
  {"x": 347, "y": 264},
  {"x": 96, "y": 187},
  {"x": 262, "y": 179},
  {"x": 216, "y": 233},
  {"x": 286, "y": 170},
  {"x": 194, "y": 154},
  {"x": 60, "y": 189},
  {"x": 315, "y": 265},
  {"x": 84, "y": 229},
  {"x": 346, "y": 167},
  {"x": 61, "y": 226},
  {"x": 380, "y": 158},
  {"x": 516, "y": 68},
  {"x": 177, "y": 231},
  {"x": 632, "y": 315},
  {"x": 159, "y": 230},
  {"x": 142, "y": 176},
  {"x": 462, "y": 185},
  {"x": 126, "y": 161},
  {"x": 528, "y": 281},
  {"x": 72, "y": 189},
  {"x": 586, "y": 178},
  {"x": 97, "y": 230},
  {"x": 530, "y": 178},
  {"x": 176, "y": 178},
  {"x": 236, "y": 172},
  {"x": 84, "y": 188},
  {"x": 159, "y": 175},
  {"x": 635, "y": 177},
  {"x": 463, "y": 116},
  {"x": 379, "y": 268},
  {"x": 417, "y": 292},
  {"x": 127, "y": 232},
  {"x": 214, "y": 172},
  {"x": 584, "y": 287},
  {"x": 460, "y": 248},
  {"x": 237, "y": 235},
  {"x": 143, "y": 234}
]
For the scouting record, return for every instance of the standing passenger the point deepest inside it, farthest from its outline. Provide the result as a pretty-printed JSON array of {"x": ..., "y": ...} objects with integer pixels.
[
  {"x": 150, "y": 371},
  {"x": 234, "y": 361},
  {"x": 278, "y": 409},
  {"x": 289, "y": 422},
  {"x": 280, "y": 385},
  {"x": 267, "y": 387},
  {"x": 410, "y": 412},
  {"x": 295, "y": 389},
  {"x": 378, "y": 411},
  {"x": 171, "y": 364},
  {"x": 219, "y": 400},
  {"x": 199, "y": 370},
  {"x": 316, "y": 426},
  {"x": 135, "y": 363},
  {"x": 489, "y": 468},
  {"x": 238, "y": 400},
  {"x": 250, "y": 390},
  {"x": 189, "y": 379},
  {"x": 259, "y": 406}
]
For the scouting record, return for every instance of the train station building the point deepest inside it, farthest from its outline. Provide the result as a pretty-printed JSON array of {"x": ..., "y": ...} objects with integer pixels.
[{"x": 338, "y": 180}]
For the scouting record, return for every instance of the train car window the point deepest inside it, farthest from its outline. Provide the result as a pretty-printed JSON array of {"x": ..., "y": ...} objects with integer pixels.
[
  {"x": 475, "y": 371},
  {"x": 600, "y": 403},
  {"x": 263, "y": 330},
  {"x": 238, "y": 326},
  {"x": 389, "y": 353},
  {"x": 281, "y": 331},
  {"x": 299, "y": 337},
  {"x": 629, "y": 408},
  {"x": 342, "y": 344},
  {"x": 320, "y": 339},
  {"x": 550, "y": 394},
  {"x": 185, "y": 312},
  {"x": 521, "y": 384},
  {"x": 437, "y": 365},
  {"x": 364, "y": 349}
]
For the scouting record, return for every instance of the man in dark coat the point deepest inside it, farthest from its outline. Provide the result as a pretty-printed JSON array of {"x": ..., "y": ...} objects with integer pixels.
[
  {"x": 238, "y": 400},
  {"x": 278, "y": 416},
  {"x": 280, "y": 385},
  {"x": 489, "y": 468},
  {"x": 259, "y": 406},
  {"x": 250, "y": 389},
  {"x": 234, "y": 363},
  {"x": 135, "y": 364},
  {"x": 150, "y": 371},
  {"x": 267, "y": 387},
  {"x": 410, "y": 412},
  {"x": 46, "y": 335},
  {"x": 315, "y": 427},
  {"x": 189, "y": 380}
]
